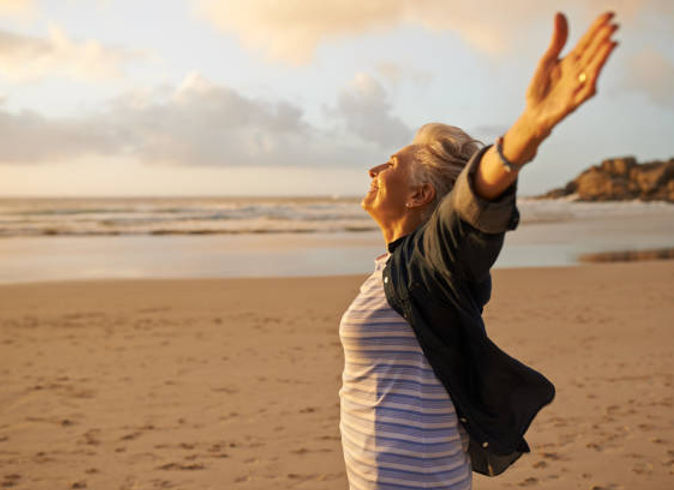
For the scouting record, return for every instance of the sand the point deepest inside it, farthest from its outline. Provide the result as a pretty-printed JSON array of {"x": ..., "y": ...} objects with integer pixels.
[{"x": 196, "y": 384}]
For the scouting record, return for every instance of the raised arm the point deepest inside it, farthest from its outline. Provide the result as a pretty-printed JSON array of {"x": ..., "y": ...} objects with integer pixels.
[{"x": 558, "y": 87}]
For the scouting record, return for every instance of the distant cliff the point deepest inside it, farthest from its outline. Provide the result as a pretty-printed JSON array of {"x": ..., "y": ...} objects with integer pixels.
[{"x": 618, "y": 179}]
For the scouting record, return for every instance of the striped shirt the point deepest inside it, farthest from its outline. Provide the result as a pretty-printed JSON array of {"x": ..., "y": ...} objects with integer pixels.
[{"x": 398, "y": 424}]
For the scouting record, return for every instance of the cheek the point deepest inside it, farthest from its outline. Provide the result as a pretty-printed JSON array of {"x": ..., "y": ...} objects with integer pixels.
[{"x": 393, "y": 194}]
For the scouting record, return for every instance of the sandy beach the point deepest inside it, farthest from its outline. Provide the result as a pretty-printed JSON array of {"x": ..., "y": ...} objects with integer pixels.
[{"x": 232, "y": 383}]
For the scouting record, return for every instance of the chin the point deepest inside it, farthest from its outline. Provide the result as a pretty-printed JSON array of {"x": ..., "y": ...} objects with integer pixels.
[
  {"x": 369, "y": 207},
  {"x": 367, "y": 201}
]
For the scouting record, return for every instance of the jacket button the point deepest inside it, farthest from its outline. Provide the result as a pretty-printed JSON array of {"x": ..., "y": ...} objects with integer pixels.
[
  {"x": 463, "y": 420},
  {"x": 386, "y": 280},
  {"x": 485, "y": 444}
]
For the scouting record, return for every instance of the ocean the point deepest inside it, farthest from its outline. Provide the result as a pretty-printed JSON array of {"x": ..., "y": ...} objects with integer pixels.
[{"x": 67, "y": 238}]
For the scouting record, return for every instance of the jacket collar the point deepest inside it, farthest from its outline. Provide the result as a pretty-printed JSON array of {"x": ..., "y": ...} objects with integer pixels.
[{"x": 395, "y": 244}]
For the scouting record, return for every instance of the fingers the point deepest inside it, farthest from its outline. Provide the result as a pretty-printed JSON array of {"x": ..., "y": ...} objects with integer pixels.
[
  {"x": 585, "y": 41},
  {"x": 559, "y": 34},
  {"x": 589, "y": 88},
  {"x": 596, "y": 49},
  {"x": 601, "y": 38}
]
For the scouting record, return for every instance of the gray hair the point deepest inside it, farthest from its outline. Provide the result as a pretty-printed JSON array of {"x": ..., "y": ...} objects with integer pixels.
[{"x": 443, "y": 152}]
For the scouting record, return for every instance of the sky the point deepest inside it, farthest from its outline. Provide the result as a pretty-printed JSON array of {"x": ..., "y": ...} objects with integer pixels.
[{"x": 301, "y": 97}]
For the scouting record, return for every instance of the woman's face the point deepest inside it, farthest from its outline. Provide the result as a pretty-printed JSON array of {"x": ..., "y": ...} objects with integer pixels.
[{"x": 391, "y": 187}]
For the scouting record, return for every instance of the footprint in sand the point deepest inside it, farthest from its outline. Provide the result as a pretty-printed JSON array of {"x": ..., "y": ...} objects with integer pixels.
[
  {"x": 230, "y": 415},
  {"x": 11, "y": 480},
  {"x": 217, "y": 450},
  {"x": 226, "y": 389},
  {"x": 41, "y": 457},
  {"x": 90, "y": 437},
  {"x": 551, "y": 455},
  {"x": 328, "y": 438},
  {"x": 180, "y": 466},
  {"x": 304, "y": 450},
  {"x": 162, "y": 484},
  {"x": 301, "y": 450},
  {"x": 300, "y": 477},
  {"x": 130, "y": 437},
  {"x": 528, "y": 482},
  {"x": 642, "y": 468},
  {"x": 595, "y": 446}
]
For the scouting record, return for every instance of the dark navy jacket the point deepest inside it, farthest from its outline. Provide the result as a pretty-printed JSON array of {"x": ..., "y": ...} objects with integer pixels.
[{"x": 438, "y": 279}]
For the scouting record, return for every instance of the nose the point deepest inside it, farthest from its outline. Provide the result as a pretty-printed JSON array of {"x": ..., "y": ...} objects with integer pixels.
[{"x": 374, "y": 171}]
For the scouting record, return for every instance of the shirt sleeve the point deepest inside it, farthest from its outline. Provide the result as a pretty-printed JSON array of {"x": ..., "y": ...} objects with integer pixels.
[
  {"x": 490, "y": 216},
  {"x": 464, "y": 235}
]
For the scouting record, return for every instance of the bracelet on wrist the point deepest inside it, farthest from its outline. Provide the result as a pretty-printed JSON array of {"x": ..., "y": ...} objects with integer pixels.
[{"x": 509, "y": 166}]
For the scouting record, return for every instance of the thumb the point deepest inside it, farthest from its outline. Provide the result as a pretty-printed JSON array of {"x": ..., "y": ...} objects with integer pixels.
[{"x": 559, "y": 35}]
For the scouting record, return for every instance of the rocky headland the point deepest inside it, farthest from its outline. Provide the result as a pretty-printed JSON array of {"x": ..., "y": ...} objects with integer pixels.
[{"x": 621, "y": 179}]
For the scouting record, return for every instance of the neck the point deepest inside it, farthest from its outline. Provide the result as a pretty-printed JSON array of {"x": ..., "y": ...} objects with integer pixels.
[{"x": 399, "y": 228}]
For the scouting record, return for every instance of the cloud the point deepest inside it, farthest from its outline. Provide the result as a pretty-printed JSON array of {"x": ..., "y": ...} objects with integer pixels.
[
  {"x": 30, "y": 137},
  {"x": 395, "y": 72},
  {"x": 651, "y": 72},
  {"x": 291, "y": 30},
  {"x": 366, "y": 111},
  {"x": 22, "y": 9},
  {"x": 198, "y": 123},
  {"x": 206, "y": 124},
  {"x": 26, "y": 58}
]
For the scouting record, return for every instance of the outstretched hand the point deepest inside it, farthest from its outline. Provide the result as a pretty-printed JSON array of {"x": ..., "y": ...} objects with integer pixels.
[{"x": 560, "y": 86}]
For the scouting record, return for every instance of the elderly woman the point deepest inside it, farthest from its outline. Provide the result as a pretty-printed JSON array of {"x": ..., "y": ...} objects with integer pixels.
[{"x": 426, "y": 395}]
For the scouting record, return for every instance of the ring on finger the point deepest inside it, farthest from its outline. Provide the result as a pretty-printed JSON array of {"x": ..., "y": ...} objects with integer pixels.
[{"x": 582, "y": 77}]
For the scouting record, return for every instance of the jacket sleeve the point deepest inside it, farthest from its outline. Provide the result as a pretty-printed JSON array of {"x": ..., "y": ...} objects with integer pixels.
[{"x": 465, "y": 234}]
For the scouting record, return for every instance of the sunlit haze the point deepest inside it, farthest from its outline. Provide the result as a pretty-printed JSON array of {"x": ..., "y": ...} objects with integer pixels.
[{"x": 253, "y": 97}]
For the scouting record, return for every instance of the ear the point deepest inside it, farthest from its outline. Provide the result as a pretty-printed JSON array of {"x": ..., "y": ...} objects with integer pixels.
[{"x": 422, "y": 195}]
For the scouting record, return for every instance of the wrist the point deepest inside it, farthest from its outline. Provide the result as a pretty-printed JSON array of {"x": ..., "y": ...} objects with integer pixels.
[{"x": 521, "y": 141}]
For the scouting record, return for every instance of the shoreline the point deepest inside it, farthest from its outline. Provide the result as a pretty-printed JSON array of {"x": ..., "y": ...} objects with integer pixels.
[
  {"x": 550, "y": 234},
  {"x": 211, "y": 383},
  {"x": 584, "y": 260}
]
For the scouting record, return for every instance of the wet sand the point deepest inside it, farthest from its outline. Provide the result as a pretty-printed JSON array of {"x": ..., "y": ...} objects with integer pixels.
[
  {"x": 232, "y": 383},
  {"x": 629, "y": 255}
]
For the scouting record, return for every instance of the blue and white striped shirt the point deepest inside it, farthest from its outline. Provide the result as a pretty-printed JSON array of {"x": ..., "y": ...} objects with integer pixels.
[{"x": 398, "y": 424}]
